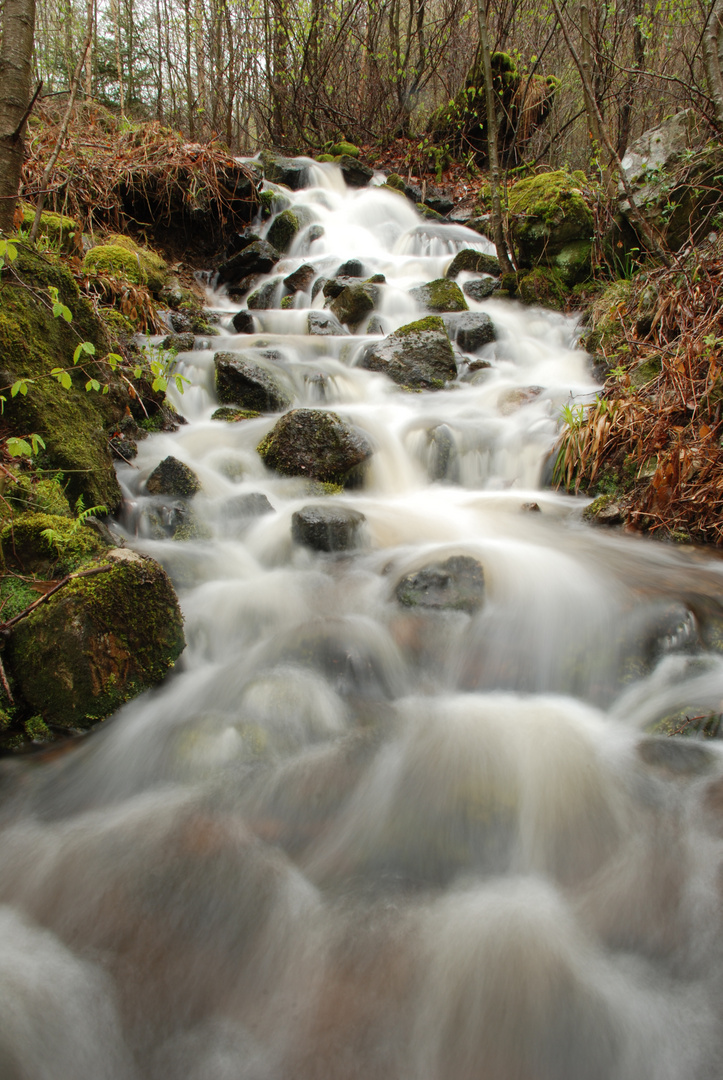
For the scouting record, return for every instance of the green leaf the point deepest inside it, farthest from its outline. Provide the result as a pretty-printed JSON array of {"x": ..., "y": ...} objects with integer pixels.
[
  {"x": 17, "y": 447},
  {"x": 92, "y": 384},
  {"x": 19, "y": 387},
  {"x": 113, "y": 359},
  {"x": 63, "y": 377}
]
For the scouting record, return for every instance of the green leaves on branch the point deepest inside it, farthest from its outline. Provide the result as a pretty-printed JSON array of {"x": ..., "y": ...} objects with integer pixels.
[
  {"x": 8, "y": 252},
  {"x": 27, "y": 446},
  {"x": 60, "y": 311}
]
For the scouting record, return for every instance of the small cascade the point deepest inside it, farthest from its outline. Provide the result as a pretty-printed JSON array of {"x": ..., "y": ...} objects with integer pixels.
[{"x": 407, "y": 808}]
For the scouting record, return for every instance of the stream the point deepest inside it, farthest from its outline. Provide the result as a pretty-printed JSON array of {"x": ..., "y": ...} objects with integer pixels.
[{"x": 353, "y": 838}]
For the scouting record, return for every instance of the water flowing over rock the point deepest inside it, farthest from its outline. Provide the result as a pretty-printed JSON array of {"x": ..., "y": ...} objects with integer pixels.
[
  {"x": 315, "y": 444},
  {"x": 327, "y": 528},
  {"x": 257, "y": 258},
  {"x": 242, "y": 381},
  {"x": 441, "y": 295},
  {"x": 470, "y": 329},
  {"x": 457, "y": 583},
  {"x": 417, "y": 356},
  {"x": 173, "y": 477}
]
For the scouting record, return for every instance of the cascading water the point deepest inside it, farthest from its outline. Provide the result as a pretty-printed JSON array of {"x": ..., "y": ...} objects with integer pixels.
[{"x": 353, "y": 838}]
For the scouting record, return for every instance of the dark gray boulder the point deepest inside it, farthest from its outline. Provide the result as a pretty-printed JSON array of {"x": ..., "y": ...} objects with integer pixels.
[
  {"x": 324, "y": 324},
  {"x": 266, "y": 296},
  {"x": 179, "y": 342},
  {"x": 300, "y": 279},
  {"x": 456, "y": 584},
  {"x": 318, "y": 445},
  {"x": 418, "y": 356},
  {"x": 475, "y": 261},
  {"x": 172, "y": 477},
  {"x": 258, "y": 258},
  {"x": 327, "y": 527},
  {"x": 283, "y": 170},
  {"x": 470, "y": 329},
  {"x": 353, "y": 268},
  {"x": 243, "y": 322},
  {"x": 354, "y": 303},
  {"x": 480, "y": 288},
  {"x": 355, "y": 174},
  {"x": 240, "y": 380}
]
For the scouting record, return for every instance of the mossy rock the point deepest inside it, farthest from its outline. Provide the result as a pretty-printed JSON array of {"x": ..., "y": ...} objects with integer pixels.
[
  {"x": 154, "y": 268},
  {"x": 440, "y": 296},
  {"x": 61, "y": 232},
  {"x": 548, "y": 212},
  {"x": 604, "y": 510},
  {"x": 542, "y": 288},
  {"x": 324, "y": 159},
  {"x": 316, "y": 444},
  {"x": 230, "y": 415},
  {"x": 28, "y": 493},
  {"x": 475, "y": 262},
  {"x": 285, "y": 227},
  {"x": 574, "y": 262},
  {"x": 605, "y": 330},
  {"x": 354, "y": 303},
  {"x": 48, "y": 544},
  {"x": 418, "y": 356},
  {"x": 173, "y": 477},
  {"x": 116, "y": 260},
  {"x": 98, "y": 642},
  {"x": 344, "y": 149},
  {"x": 32, "y": 342}
]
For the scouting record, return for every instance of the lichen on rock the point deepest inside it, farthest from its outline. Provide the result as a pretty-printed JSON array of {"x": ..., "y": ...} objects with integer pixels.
[{"x": 316, "y": 444}]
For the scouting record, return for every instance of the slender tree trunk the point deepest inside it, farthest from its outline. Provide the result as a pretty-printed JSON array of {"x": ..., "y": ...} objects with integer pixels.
[
  {"x": 626, "y": 112},
  {"x": 16, "y": 55},
  {"x": 645, "y": 232},
  {"x": 711, "y": 57},
  {"x": 75, "y": 82},
  {"x": 115, "y": 14},
  {"x": 491, "y": 106}
]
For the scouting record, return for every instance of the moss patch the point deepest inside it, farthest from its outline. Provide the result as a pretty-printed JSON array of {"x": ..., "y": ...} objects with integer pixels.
[
  {"x": 440, "y": 295},
  {"x": 548, "y": 211},
  {"x": 61, "y": 232}
]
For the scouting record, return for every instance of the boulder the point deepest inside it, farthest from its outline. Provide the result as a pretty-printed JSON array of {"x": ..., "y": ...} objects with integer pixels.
[
  {"x": 232, "y": 415},
  {"x": 266, "y": 296},
  {"x": 240, "y": 240},
  {"x": 243, "y": 322},
  {"x": 179, "y": 342},
  {"x": 316, "y": 444},
  {"x": 353, "y": 268},
  {"x": 255, "y": 504},
  {"x": 344, "y": 148},
  {"x": 438, "y": 202},
  {"x": 355, "y": 174},
  {"x": 331, "y": 287},
  {"x": 440, "y": 295},
  {"x": 477, "y": 262},
  {"x": 470, "y": 329},
  {"x": 418, "y": 356},
  {"x": 172, "y": 477},
  {"x": 97, "y": 642},
  {"x": 284, "y": 170},
  {"x": 548, "y": 212},
  {"x": 286, "y": 225},
  {"x": 353, "y": 303},
  {"x": 324, "y": 324},
  {"x": 480, "y": 288},
  {"x": 457, "y": 584},
  {"x": 258, "y": 258},
  {"x": 327, "y": 527},
  {"x": 300, "y": 280},
  {"x": 240, "y": 380}
]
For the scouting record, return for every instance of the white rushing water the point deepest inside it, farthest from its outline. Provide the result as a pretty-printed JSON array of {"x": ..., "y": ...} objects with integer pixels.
[{"x": 349, "y": 839}]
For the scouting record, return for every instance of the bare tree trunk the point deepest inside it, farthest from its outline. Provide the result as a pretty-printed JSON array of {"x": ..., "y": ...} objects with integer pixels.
[
  {"x": 711, "y": 57},
  {"x": 645, "y": 232},
  {"x": 48, "y": 171},
  {"x": 115, "y": 14},
  {"x": 491, "y": 106},
  {"x": 635, "y": 10},
  {"x": 16, "y": 54}
]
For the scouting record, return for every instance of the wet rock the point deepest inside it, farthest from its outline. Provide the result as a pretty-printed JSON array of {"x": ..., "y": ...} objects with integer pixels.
[
  {"x": 314, "y": 232},
  {"x": 604, "y": 510},
  {"x": 354, "y": 303},
  {"x": 283, "y": 170},
  {"x": 355, "y": 174},
  {"x": 353, "y": 268},
  {"x": 327, "y": 527},
  {"x": 470, "y": 329},
  {"x": 456, "y": 584},
  {"x": 179, "y": 342},
  {"x": 440, "y": 295},
  {"x": 443, "y": 453},
  {"x": 324, "y": 324},
  {"x": 548, "y": 212},
  {"x": 98, "y": 642},
  {"x": 316, "y": 444},
  {"x": 475, "y": 262},
  {"x": 242, "y": 381},
  {"x": 374, "y": 326},
  {"x": 258, "y": 258},
  {"x": 439, "y": 202},
  {"x": 240, "y": 240},
  {"x": 418, "y": 356},
  {"x": 286, "y": 226},
  {"x": 172, "y": 477},
  {"x": 332, "y": 287},
  {"x": 180, "y": 322},
  {"x": 677, "y": 757},
  {"x": 231, "y": 415},
  {"x": 243, "y": 322},
  {"x": 252, "y": 505},
  {"x": 301, "y": 279},
  {"x": 480, "y": 288},
  {"x": 515, "y": 399},
  {"x": 266, "y": 296}
]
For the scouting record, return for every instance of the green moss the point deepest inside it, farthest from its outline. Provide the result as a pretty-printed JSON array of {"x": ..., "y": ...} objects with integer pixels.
[
  {"x": 61, "y": 232},
  {"x": 605, "y": 332},
  {"x": 283, "y": 230},
  {"x": 323, "y": 158},
  {"x": 476, "y": 262},
  {"x": 344, "y": 149},
  {"x": 548, "y": 212},
  {"x": 15, "y": 596},
  {"x": 154, "y": 268},
  {"x": 37, "y": 730},
  {"x": 44, "y": 496},
  {"x": 428, "y": 212},
  {"x": 441, "y": 295},
  {"x": 116, "y": 260},
  {"x": 430, "y": 322},
  {"x": 48, "y": 544},
  {"x": 287, "y": 302},
  {"x": 119, "y": 326},
  {"x": 646, "y": 371},
  {"x": 232, "y": 416},
  {"x": 543, "y": 288},
  {"x": 98, "y": 642},
  {"x": 574, "y": 262}
]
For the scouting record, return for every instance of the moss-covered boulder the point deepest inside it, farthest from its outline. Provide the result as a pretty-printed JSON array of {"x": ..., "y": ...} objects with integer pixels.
[
  {"x": 354, "y": 303},
  {"x": 232, "y": 415},
  {"x": 418, "y": 356},
  {"x": 71, "y": 422},
  {"x": 285, "y": 227},
  {"x": 457, "y": 584},
  {"x": 547, "y": 213},
  {"x": 153, "y": 268},
  {"x": 98, "y": 642},
  {"x": 47, "y": 544},
  {"x": 542, "y": 288},
  {"x": 173, "y": 477},
  {"x": 318, "y": 445},
  {"x": 344, "y": 149},
  {"x": 116, "y": 260},
  {"x": 61, "y": 232},
  {"x": 475, "y": 262},
  {"x": 440, "y": 295},
  {"x": 243, "y": 381}
]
